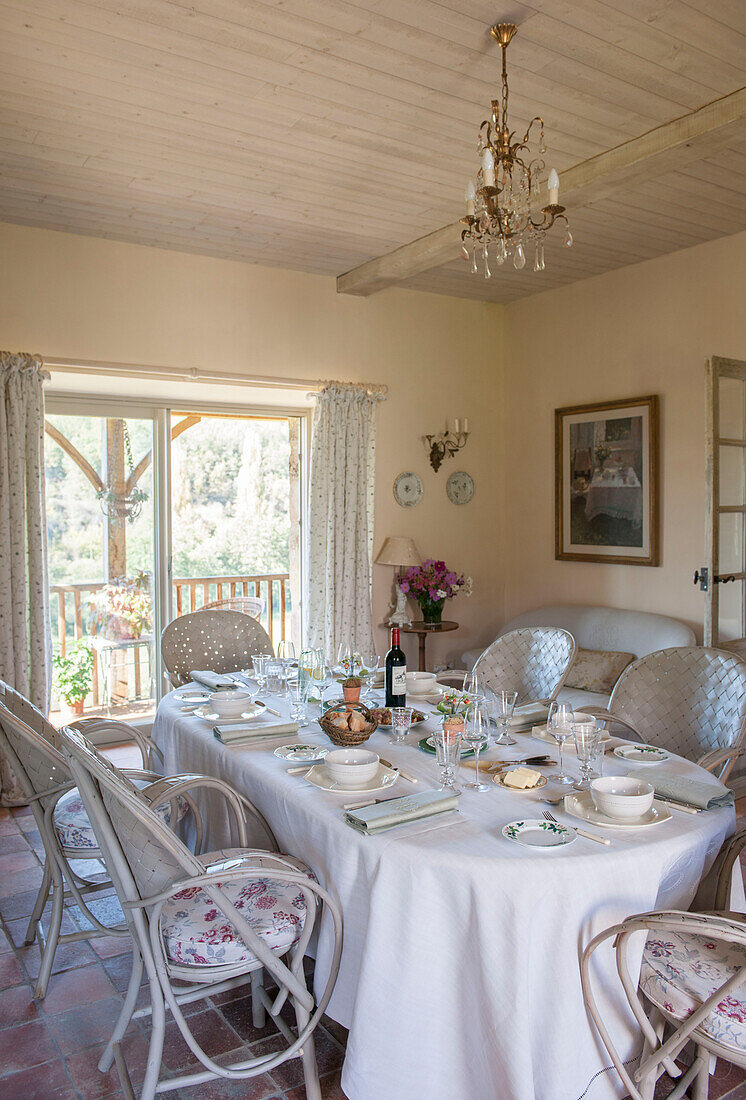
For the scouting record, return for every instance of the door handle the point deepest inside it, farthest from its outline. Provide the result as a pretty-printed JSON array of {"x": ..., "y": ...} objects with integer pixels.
[{"x": 702, "y": 578}]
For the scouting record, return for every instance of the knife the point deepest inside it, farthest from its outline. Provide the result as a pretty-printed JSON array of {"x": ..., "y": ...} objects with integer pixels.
[{"x": 396, "y": 768}]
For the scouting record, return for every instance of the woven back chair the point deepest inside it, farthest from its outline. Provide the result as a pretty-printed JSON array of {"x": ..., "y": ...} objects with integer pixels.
[
  {"x": 247, "y": 605},
  {"x": 207, "y": 924},
  {"x": 220, "y": 641},
  {"x": 690, "y": 700},
  {"x": 690, "y": 988},
  {"x": 532, "y": 660}
]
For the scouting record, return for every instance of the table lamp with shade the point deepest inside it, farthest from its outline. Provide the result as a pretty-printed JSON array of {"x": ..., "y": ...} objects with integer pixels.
[{"x": 401, "y": 553}]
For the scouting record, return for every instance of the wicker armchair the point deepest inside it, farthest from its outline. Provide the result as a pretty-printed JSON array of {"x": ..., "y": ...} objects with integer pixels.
[
  {"x": 202, "y": 926},
  {"x": 221, "y": 641},
  {"x": 691, "y": 988},
  {"x": 32, "y": 746},
  {"x": 690, "y": 700},
  {"x": 533, "y": 660},
  {"x": 247, "y": 605}
]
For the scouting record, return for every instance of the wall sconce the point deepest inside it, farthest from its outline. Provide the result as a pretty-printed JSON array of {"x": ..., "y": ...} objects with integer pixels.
[{"x": 446, "y": 443}]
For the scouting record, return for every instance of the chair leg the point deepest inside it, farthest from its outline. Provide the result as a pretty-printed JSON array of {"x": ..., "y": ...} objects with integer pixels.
[
  {"x": 258, "y": 1011},
  {"x": 41, "y": 901},
  {"x": 53, "y": 935},
  {"x": 701, "y": 1084},
  {"x": 125, "y": 1015},
  {"x": 157, "y": 1035},
  {"x": 310, "y": 1068}
]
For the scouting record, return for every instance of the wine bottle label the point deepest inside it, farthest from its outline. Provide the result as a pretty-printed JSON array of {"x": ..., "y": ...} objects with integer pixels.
[{"x": 399, "y": 680}]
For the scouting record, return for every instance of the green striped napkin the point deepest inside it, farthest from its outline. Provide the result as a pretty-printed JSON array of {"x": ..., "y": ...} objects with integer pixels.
[
  {"x": 395, "y": 811},
  {"x": 699, "y": 793},
  {"x": 253, "y": 734}
]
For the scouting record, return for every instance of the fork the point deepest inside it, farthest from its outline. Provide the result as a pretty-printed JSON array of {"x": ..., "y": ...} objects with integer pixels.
[{"x": 581, "y": 832}]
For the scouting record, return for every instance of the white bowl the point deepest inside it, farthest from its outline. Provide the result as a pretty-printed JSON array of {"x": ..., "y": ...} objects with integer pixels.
[
  {"x": 352, "y": 767},
  {"x": 420, "y": 683},
  {"x": 621, "y": 797},
  {"x": 229, "y": 704}
]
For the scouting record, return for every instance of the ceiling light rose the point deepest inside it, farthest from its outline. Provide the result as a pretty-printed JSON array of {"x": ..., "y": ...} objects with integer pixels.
[{"x": 502, "y": 211}]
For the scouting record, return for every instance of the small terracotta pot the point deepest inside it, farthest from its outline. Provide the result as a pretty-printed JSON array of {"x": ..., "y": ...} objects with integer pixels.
[
  {"x": 76, "y": 708},
  {"x": 453, "y": 725},
  {"x": 351, "y": 694}
]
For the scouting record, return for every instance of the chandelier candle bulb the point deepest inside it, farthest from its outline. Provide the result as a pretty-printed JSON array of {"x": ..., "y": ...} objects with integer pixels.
[
  {"x": 471, "y": 196},
  {"x": 553, "y": 185},
  {"x": 488, "y": 168}
]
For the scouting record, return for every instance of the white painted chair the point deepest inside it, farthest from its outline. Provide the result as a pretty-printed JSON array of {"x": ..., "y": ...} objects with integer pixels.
[
  {"x": 31, "y": 744},
  {"x": 692, "y": 987},
  {"x": 263, "y": 905},
  {"x": 221, "y": 641},
  {"x": 532, "y": 661},
  {"x": 247, "y": 605},
  {"x": 689, "y": 699}
]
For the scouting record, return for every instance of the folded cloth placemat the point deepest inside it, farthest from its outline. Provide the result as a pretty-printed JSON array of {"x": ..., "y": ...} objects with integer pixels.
[
  {"x": 212, "y": 680},
  {"x": 395, "y": 811},
  {"x": 529, "y": 714},
  {"x": 247, "y": 734},
  {"x": 703, "y": 794}
]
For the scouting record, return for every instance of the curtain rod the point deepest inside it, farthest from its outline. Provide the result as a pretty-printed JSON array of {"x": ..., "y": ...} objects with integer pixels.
[{"x": 178, "y": 374}]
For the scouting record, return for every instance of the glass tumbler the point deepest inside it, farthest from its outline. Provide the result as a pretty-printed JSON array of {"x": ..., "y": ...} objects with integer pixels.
[
  {"x": 401, "y": 720},
  {"x": 258, "y": 662},
  {"x": 586, "y": 736},
  {"x": 447, "y": 748},
  {"x": 299, "y": 688},
  {"x": 274, "y": 674}
]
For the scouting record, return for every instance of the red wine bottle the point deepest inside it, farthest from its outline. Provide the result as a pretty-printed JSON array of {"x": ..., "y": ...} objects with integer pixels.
[{"x": 396, "y": 673}]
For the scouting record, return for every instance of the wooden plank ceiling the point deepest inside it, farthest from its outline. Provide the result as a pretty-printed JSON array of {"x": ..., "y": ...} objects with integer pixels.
[{"x": 317, "y": 134}]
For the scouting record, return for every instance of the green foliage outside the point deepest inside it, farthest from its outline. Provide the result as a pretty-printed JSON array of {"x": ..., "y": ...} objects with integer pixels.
[{"x": 74, "y": 673}]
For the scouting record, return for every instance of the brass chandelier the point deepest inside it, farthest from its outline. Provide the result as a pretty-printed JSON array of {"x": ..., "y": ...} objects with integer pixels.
[{"x": 503, "y": 216}]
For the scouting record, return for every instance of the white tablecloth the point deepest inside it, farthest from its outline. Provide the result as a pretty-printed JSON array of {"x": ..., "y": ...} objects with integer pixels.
[{"x": 460, "y": 975}]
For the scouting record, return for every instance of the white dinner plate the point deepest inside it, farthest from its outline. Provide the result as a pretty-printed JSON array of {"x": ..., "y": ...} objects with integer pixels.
[
  {"x": 537, "y": 833},
  {"x": 195, "y": 697},
  {"x": 641, "y": 754},
  {"x": 580, "y": 804},
  {"x": 302, "y": 752},
  {"x": 465, "y": 749},
  {"x": 319, "y": 777},
  {"x": 541, "y": 733},
  {"x": 520, "y": 790},
  {"x": 256, "y": 710}
]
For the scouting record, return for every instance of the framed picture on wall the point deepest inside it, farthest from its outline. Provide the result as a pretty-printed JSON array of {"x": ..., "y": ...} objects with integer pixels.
[{"x": 606, "y": 487}]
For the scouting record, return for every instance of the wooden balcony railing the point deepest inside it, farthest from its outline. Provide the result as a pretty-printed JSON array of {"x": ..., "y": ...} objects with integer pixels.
[{"x": 69, "y": 606}]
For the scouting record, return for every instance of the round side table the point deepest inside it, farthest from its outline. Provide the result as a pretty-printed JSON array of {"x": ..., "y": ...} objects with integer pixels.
[{"x": 423, "y": 629}]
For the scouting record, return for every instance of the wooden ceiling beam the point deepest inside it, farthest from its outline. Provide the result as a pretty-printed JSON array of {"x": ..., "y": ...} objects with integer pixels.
[{"x": 666, "y": 148}]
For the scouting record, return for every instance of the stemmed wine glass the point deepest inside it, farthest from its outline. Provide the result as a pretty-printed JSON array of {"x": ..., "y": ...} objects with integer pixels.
[
  {"x": 474, "y": 735},
  {"x": 370, "y": 663},
  {"x": 586, "y": 735},
  {"x": 560, "y": 725},
  {"x": 504, "y": 706},
  {"x": 258, "y": 661},
  {"x": 447, "y": 739},
  {"x": 286, "y": 654},
  {"x": 323, "y": 676}
]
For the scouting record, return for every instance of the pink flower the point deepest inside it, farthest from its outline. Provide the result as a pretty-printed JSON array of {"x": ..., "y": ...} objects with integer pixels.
[
  {"x": 733, "y": 1009},
  {"x": 265, "y": 903}
]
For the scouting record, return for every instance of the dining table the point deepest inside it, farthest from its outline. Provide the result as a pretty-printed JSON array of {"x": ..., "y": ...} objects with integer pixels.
[{"x": 460, "y": 976}]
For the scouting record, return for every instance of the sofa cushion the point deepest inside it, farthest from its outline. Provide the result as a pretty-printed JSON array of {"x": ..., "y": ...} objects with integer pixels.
[
  {"x": 581, "y": 700},
  {"x": 597, "y": 669}
]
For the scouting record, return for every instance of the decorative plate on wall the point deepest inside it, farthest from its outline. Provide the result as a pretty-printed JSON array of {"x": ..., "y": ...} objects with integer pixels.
[
  {"x": 408, "y": 489},
  {"x": 460, "y": 487}
]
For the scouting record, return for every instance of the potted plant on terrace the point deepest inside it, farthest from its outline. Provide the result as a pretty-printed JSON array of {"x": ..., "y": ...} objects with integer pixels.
[
  {"x": 431, "y": 584},
  {"x": 122, "y": 609},
  {"x": 74, "y": 675}
]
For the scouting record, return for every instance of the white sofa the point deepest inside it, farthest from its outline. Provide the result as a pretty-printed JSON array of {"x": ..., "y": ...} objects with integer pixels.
[{"x": 606, "y": 628}]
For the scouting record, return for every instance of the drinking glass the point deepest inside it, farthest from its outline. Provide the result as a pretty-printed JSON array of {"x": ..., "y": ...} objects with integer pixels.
[
  {"x": 560, "y": 725},
  {"x": 344, "y": 658},
  {"x": 286, "y": 654},
  {"x": 370, "y": 662},
  {"x": 447, "y": 739},
  {"x": 274, "y": 675},
  {"x": 322, "y": 675},
  {"x": 504, "y": 706},
  {"x": 474, "y": 735},
  {"x": 401, "y": 720},
  {"x": 299, "y": 689},
  {"x": 258, "y": 661},
  {"x": 586, "y": 735}
]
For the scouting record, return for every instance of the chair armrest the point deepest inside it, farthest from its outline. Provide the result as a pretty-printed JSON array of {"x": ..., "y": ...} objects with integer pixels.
[
  {"x": 146, "y": 745},
  {"x": 607, "y": 716},
  {"x": 729, "y": 854},
  {"x": 726, "y": 757},
  {"x": 168, "y": 788}
]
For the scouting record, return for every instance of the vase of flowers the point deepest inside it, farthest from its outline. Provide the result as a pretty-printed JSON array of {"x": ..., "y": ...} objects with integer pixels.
[{"x": 431, "y": 584}]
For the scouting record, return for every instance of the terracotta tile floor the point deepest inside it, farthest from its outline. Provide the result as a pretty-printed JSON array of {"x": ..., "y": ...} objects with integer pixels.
[{"x": 49, "y": 1051}]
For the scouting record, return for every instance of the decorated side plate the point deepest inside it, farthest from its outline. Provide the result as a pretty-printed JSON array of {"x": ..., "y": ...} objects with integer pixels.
[
  {"x": 542, "y": 782},
  {"x": 641, "y": 754},
  {"x": 537, "y": 833},
  {"x": 460, "y": 487},
  {"x": 427, "y": 744},
  {"x": 408, "y": 489},
  {"x": 309, "y": 753}
]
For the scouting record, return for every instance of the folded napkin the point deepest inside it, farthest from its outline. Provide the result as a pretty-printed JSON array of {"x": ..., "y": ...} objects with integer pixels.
[
  {"x": 529, "y": 714},
  {"x": 212, "y": 680},
  {"x": 395, "y": 811},
  {"x": 253, "y": 733},
  {"x": 703, "y": 794}
]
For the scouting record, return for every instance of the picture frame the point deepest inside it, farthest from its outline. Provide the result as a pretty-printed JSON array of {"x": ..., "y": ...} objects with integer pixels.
[{"x": 606, "y": 482}]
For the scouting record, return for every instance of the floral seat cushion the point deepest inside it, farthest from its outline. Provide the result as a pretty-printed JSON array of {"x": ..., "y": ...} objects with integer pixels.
[
  {"x": 196, "y": 933},
  {"x": 73, "y": 828},
  {"x": 680, "y": 970}
]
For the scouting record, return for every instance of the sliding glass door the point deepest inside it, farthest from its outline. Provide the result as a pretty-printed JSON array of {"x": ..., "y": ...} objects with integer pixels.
[{"x": 153, "y": 513}]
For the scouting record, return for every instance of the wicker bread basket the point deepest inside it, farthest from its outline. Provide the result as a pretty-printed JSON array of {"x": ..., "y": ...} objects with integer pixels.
[{"x": 348, "y": 739}]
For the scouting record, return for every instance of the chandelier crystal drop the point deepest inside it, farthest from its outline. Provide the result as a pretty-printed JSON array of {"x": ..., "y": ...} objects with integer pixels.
[{"x": 504, "y": 219}]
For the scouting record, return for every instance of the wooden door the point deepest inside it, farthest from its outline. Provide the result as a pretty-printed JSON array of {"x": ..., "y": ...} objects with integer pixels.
[{"x": 723, "y": 577}]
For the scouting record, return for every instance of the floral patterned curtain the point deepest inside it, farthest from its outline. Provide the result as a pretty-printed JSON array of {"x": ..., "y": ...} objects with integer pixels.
[
  {"x": 25, "y": 635},
  {"x": 340, "y": 526}
]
